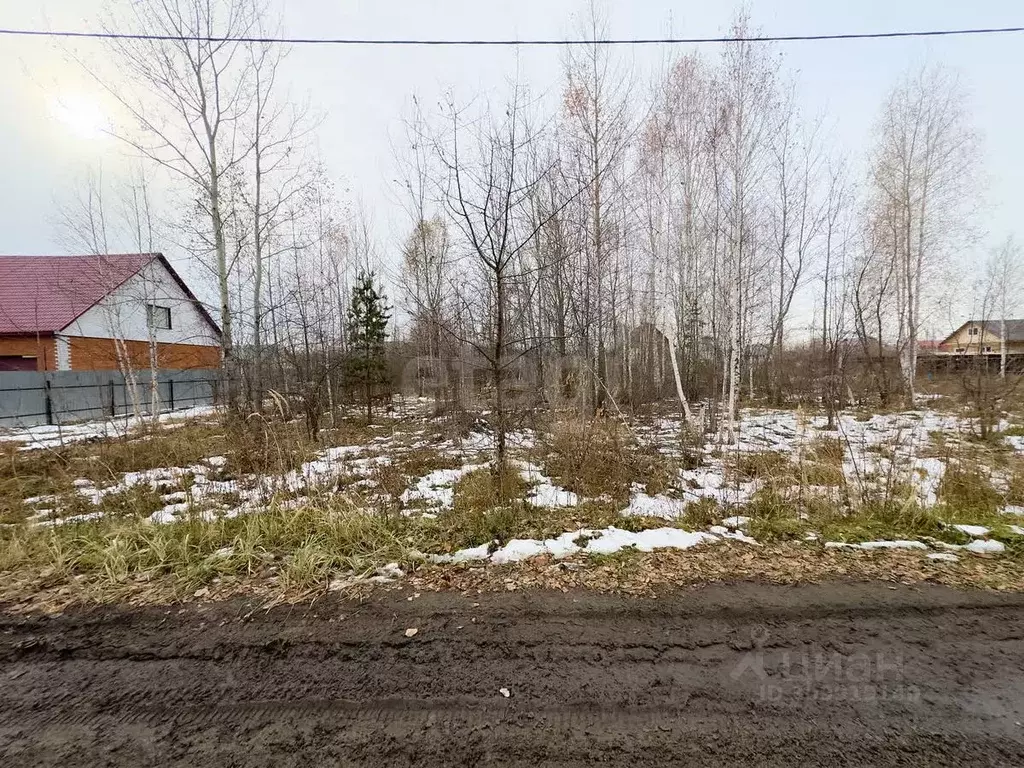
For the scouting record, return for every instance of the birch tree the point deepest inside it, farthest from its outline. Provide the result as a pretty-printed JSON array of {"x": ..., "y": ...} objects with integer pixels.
[
  {"x": 598, "y": 127},
  {"x": 187, "y": 97},
  {"x": 748, "y": 91},
  {"x": 924, "y": 170},
  {"x": 1006, "y": 278}
]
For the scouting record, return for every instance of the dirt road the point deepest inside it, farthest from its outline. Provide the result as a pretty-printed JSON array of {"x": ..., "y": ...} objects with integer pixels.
[{"x": 726, "y": 675}]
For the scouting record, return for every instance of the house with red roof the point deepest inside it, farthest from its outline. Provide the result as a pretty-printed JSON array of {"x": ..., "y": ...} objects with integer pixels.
[{"x": 104, "y": 312}]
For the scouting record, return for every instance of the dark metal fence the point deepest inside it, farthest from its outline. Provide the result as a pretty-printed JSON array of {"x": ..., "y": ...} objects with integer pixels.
[{"x": 30, "y": 398}]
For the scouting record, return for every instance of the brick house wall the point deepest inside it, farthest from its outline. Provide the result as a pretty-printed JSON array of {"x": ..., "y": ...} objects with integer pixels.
[
  {"x": 42, "y": 348},
  {"x": 77, "y": 308},
  {"x": 90, "y": 354}
]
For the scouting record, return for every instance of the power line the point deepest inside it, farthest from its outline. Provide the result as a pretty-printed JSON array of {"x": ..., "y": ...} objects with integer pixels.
[{"x": 464, "y": 42}]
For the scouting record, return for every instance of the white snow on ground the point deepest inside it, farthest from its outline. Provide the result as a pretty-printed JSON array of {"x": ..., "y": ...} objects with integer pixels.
[
  {"x": 1011, "y": 509},
  {"x": 438, "y": 487},
  {"x": 709, "y": 483},
  {"x": 879, "y": 451},
  {"x": 978, "y": 546},
  {"x": 897, "y": 544},
  {"x": 738, "y": 521},
  {"x": 972, "y": 530},
  {"x": 57, "y": 435},
  {"x": 1016, "y": 442},
  {"x": 547, "y": 495},
  {"x": 985, "y": 546},
  {"x": 642, "y": 505},
  {"x": 604, "y": 542},
  {"x": 544, "y": 493},
  {"x": 725, "y": 533},
  {"x": 949, "y": 557},
  {"x": 383, "y": 575},
  {"x": 254, "y": 492},
  {"x": 613, "y": 539}
]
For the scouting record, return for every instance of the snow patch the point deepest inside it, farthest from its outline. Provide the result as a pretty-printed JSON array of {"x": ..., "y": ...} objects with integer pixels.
[
  {"x": 437, "y": 488},
  {"x": 897, "y": 544},
  {"x": 986, "y": 547},
  {"x": 642, "y": 505},
  {"x": 57, "y": 435},
  {"x": 603, "y": 542}
]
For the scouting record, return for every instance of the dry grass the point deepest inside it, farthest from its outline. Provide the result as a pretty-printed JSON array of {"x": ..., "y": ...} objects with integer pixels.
[
  {"x": 292, "y": 550},
  {"x": 601, "y": 458},
  {"x": 295, "y": 547},
  {"x": 763, "y": 465},
  {"x": 252, "y": 447}
]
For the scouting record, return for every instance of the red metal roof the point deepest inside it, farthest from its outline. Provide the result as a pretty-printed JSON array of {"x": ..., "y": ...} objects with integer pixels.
[{"x": 43, "y": 294}]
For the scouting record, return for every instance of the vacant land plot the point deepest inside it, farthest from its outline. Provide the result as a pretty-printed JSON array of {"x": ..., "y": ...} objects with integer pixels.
[{"x": 210, "y": 504}]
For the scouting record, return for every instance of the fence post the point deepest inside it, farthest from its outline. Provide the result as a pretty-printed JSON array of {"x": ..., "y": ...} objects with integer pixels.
[
  {"x": 170, "y": 391},
  {"x": 113, "y": 404},
  {"x": 49, "y": 403}
]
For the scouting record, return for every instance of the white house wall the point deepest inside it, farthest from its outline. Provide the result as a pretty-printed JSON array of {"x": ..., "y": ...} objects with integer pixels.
[
  {"x": 63, "y": 353},
  {"x": 122, "y": 314}
]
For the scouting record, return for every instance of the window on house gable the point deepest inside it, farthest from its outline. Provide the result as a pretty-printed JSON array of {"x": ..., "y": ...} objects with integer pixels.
[
  {"x": 159, "y": 318},
  {"x": 972, "y": 332}
]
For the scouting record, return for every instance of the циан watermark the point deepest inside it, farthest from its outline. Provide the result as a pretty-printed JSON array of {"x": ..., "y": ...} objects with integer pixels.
[{"x": 821, "y": 674}]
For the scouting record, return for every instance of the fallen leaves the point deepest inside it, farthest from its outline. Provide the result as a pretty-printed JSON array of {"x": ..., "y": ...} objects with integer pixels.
[{"x": 644, "y": 573}]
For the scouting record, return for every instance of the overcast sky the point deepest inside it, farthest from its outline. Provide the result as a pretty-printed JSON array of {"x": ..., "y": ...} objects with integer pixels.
[{"x": 47, "y": 140}]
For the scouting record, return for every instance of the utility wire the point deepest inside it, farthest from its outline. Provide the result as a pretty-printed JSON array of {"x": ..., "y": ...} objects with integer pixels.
[{"x": 463, "y": 42}]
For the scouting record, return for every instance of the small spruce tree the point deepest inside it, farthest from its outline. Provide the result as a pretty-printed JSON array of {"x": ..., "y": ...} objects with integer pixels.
[{"x": 368, "y": 316}]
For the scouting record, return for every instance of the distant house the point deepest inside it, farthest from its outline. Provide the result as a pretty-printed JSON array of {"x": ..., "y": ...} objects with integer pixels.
[
  {"x": 977, "y": 337},
  {"x": 87, "y": 313}
]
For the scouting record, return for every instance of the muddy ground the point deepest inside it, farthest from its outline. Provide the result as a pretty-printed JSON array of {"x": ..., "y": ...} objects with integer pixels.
[{"x": 836, "y": 674}]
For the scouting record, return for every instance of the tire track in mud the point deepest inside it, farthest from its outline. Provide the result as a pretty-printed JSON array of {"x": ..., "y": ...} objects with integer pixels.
[{"x": 725, "y": 675}]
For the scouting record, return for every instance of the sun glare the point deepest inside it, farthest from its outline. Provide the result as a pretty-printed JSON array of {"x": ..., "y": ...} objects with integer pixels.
[{"x": 79, "y": 113}]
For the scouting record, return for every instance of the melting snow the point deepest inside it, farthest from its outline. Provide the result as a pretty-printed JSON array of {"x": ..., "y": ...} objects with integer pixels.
[
  {"x": 642, "y": 505},
  {"x": 47, "y": 436},
  {"x": 972, "y": 530},
  {"x": 897, "y": 544},
  {"x": 603, "y": 542},
  {"x": 547, "y": 495},
  {"x": 544, "y": 493},
  {"x": 437, "y": 488},
  {"x": 985, "y": 546}
]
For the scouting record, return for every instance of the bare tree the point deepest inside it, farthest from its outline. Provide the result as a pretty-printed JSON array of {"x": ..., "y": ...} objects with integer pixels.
[
  {"x": 598, "y": 129},
  {"x": 89, "y": 223},
  {"x": 748, "y": 93},
  {"x": 1006, "y": 276},
  {"x": 923, "y": 171},
  {"x": 188, "y": 95},
  {"x": 796, "y": 219},
  {"x": 835, "y": 287},
  {"x": 490, "y": 183}
]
